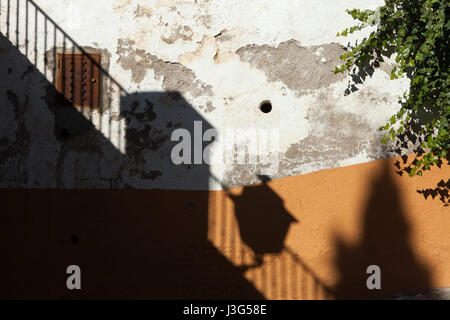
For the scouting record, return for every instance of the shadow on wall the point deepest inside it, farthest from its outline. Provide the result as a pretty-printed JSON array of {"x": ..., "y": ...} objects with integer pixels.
[
  {"x": 411, "y": 140},
  {"x": 128, "y": 243},
  {"x": 385, "y": 242},
  {"x": 442, "y": 190},
  {"x": 131, "y": 243},
  {"x": 262, "y": 219},
  {"x": 145, "y": 243}
]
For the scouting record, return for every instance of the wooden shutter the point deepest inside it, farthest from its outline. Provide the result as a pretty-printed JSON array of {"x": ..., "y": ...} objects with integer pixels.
[{"x": 78, "y": 78}]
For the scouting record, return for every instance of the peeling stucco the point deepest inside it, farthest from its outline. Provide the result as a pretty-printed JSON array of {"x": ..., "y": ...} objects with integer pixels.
[
  {"x": 182, "y": 32},
  {"x": 336, "y": 137},
  {"x": 176, "y": 77},
  {"x": 300, "y": 68},
  {"x": 166, "y": 64},
  {"x": 142, "y": 11}
]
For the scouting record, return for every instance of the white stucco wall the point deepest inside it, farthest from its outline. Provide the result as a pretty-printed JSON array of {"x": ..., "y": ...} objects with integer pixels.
[{"x": 224, "y": 58}]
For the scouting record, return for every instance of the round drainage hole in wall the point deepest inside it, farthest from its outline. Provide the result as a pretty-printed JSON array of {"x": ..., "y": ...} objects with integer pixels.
[
  {"x": 74, "y": 239},
  {"x": 265, "y": 106}
]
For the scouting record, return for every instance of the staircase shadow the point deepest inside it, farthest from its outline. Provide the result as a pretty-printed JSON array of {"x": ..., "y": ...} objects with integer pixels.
[{"x": 128, "y": 241}]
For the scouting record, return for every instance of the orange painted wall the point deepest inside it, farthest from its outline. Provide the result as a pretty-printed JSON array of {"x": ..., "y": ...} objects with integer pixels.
[
  {"x": 347, "y": 219},
  {"x": 304, "y": 237}
]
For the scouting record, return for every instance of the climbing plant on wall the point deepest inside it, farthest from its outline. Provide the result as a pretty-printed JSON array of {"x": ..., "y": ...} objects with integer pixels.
[{"x": 416, "y": 34}]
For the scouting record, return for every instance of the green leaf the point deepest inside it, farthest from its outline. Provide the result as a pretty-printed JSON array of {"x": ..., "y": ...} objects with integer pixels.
[{"x": 418, "y": 36}]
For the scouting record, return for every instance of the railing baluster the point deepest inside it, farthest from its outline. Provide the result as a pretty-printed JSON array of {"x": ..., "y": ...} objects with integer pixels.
[
  {"x": 17, "y": 22},
  {"x": 54, "y": 55},
  {"x": 26, "y": 28},
  {"x": 35, "y": 38},
  {"x": 8, "y": 6},
  {"x": 45, "y": 44}
]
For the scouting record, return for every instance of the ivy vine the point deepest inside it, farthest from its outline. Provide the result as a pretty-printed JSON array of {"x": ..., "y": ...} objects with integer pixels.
[{"x": 416, "y": 34}]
